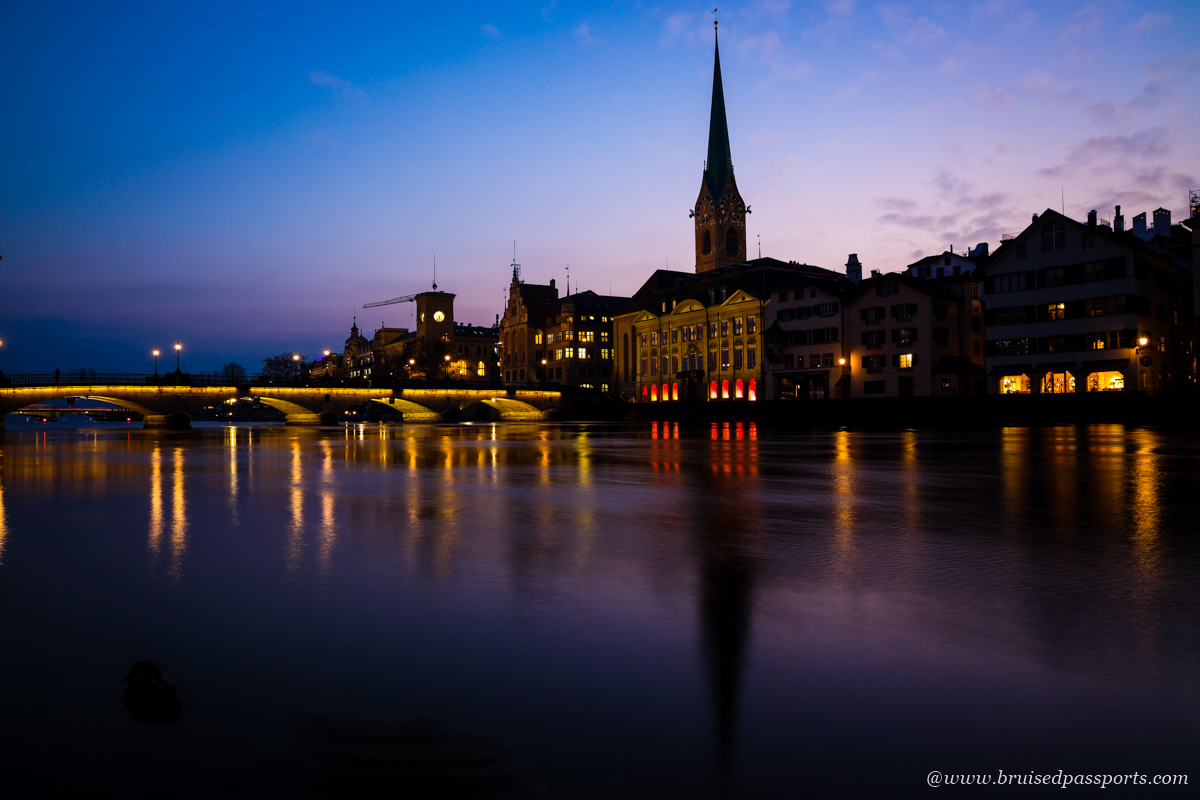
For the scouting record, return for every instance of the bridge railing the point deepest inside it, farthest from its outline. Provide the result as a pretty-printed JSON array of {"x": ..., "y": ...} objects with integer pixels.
[{"x": 51, "y": 379}]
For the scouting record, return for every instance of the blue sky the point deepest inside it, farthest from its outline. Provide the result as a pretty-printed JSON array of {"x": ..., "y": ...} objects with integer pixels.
[{"x": 240, "y": 180}]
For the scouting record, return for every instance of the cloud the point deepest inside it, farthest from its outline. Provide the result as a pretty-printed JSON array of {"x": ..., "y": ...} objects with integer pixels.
[
  {"x": 957, "y": 213},
  {"x": 1150, "y": 22},
  {"x": 583, "y": 34},
  {"x": 335, "y": 84},
  {"x": 490, "y": 31},
  {"x": 920, "y": 33},
  {"x": 1085, "y": 20},
  {"x": 1110, "y": 151},
  {"x": 771, "y": 51},
  {"x": 675, "y": 26},
  {"x": 840, "y": 8}
]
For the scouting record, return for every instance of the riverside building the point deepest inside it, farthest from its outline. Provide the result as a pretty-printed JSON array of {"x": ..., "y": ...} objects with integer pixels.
[{"x": 1090, "y": 307}]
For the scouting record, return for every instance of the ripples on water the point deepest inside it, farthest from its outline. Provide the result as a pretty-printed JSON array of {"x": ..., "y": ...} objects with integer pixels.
[{"x": 597, "y": 611}]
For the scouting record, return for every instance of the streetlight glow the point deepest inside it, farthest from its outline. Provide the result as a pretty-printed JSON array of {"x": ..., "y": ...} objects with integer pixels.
[{"x": 1143, "y": 341}]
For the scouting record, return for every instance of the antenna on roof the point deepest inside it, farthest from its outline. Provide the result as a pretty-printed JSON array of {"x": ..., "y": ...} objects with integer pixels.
[
  {"x": 516, "y": 267},
  {"x": 568, "y": 280},
  {"x": 759, "y": 235},
  {"x": 1063, "y": 193},
  {"x": 435, "y": 272}
]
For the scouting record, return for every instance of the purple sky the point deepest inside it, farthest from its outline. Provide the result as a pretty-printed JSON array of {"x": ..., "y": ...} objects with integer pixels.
[{"x": 242, "y": 180}]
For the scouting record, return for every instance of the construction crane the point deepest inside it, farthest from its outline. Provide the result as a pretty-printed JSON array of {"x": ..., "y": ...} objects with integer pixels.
[{"x": 408, "y": 298}]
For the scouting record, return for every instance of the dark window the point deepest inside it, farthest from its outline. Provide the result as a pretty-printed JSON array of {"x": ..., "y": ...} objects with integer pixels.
[
  {"x": 731, "y": 243},
  {"x": 783, "y": 296},
  {"x": 872, "y": 339},
  {"x": 706, "y": 244},
  {"x": 1054, "y": 236},
  {"x": 941, "y": 335},
  {"x": 874, "y": 362},
  {"x": 873, "y": 314}
]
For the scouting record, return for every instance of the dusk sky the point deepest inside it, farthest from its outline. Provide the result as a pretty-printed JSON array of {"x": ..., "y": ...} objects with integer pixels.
[{"x": 243, "y": 177}]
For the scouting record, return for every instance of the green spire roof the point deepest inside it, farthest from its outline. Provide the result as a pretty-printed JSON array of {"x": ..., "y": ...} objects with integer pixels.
[{"x": 719, "y": 167}]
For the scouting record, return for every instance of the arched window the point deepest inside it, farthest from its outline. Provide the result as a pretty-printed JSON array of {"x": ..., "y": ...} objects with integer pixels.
[
  {"x": 712, "y": 393},
  {"x": 482, "y": 369},
  {"x": 753, "y": 390},
  {"x": 706, "y": 244},
  {"x": 738, "y": 389},
  {"x": 1054, "y": 236},
  {"x": 666, "y": 395},
  {"x": 645, "y": 393},
  {"x": 731, "y": 243},
  {"x": 725, "y": 390},
  {"x": 674, "y": 391},
  {"x": 653, "y": 392}
]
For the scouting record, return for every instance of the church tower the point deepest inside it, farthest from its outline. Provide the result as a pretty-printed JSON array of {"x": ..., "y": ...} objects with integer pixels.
[{"x": 720, "y": 213}]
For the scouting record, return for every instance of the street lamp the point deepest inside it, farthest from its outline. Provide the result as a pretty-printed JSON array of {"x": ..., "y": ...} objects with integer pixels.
[
  {"x": 178, "y": 347},
  {"x": 156, "y": 363}
]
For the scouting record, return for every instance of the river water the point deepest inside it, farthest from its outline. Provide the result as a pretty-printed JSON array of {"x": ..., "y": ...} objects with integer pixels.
[{"x": 596, "y": 611}]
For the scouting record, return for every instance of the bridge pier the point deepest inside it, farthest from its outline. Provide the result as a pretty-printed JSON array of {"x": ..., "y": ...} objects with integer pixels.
[{"x": 175, "y": 421}]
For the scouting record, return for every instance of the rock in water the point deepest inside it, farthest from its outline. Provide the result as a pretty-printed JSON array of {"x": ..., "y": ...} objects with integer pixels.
[{"x": 151, "y": 695}]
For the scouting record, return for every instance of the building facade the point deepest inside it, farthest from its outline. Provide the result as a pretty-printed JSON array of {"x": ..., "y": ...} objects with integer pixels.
[
  {"x": 909, "y": 337},
  {"x": 1085, "y": 307}
]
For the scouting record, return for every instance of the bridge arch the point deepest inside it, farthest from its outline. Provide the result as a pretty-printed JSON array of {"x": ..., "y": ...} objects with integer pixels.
[{"x": 495, "y": 409}]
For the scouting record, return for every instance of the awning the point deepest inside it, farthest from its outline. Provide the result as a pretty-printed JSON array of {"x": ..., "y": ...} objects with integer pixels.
[
  {"x": 1111, "y": 365},
  {"x": 1010, "y": 369}
]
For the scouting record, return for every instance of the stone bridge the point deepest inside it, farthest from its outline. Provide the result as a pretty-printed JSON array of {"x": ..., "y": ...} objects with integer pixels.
[{"x": 174, "y": 406}]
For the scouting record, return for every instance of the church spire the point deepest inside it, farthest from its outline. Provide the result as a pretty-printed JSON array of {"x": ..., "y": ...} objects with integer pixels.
[{"x": 719, "y": 166}]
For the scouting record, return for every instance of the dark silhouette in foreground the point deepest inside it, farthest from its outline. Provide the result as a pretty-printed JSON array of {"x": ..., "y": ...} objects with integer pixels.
[{"x": 151, "y": 694}]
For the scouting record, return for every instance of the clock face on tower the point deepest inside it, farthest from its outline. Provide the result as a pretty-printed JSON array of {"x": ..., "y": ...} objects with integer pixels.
[
  {"x": 438, "y": 316},
  {"x": 704, "y": 210},
  {"x": 731, "y": 208}
]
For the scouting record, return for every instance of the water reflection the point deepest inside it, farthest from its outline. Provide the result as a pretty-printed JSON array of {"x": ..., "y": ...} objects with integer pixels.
[
  {"x": 3, "y": 520},
  {"x": 295, "y": 542},
  {"x": 985, "y": 571},
  {"x": 156, "y": 503},
  {"x": 727, "y": 538},
  {"x": 179, "y": 522}
]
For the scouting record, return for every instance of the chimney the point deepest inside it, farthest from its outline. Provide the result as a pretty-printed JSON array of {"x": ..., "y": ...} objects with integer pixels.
[
  {"x": 1162, "y": 222},
  {"x": 1118, "y": 221},
  {"x": 854, "y": 268},
  {"x": 552, "y": 283},
  {"x": 1035, "y": 217},
  {"x": 1139, "y": 225},
  {"x": 874, "y": 273},
  {"x": 1092, "y": 218}
]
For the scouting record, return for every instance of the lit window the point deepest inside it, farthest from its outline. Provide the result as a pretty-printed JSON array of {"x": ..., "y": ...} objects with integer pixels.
[
  {"x": 724, "y": 327},
  {"x": 654, "y": 392},
  {"x": 737, "y": 326},
  {"x": 674, "y": 391},
  {"x": 751, "y": 356},
  {"x": 712, "y": 391},
  {"x": 906, "y": 360},
  {"x": 725, "y": 390},
  {"x": 738, "y": 389},
  {"x": 753, "y": 390}
]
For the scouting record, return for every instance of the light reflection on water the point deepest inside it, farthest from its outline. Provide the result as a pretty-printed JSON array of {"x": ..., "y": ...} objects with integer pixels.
[{"x": 750, "y": 607}]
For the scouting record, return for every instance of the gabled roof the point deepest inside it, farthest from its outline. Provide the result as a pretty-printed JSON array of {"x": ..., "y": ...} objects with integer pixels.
[
  {"x": 756, "y": 278},
  {"x": 933, "y": 288},
  {"x": 1157, "y": 246}
]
